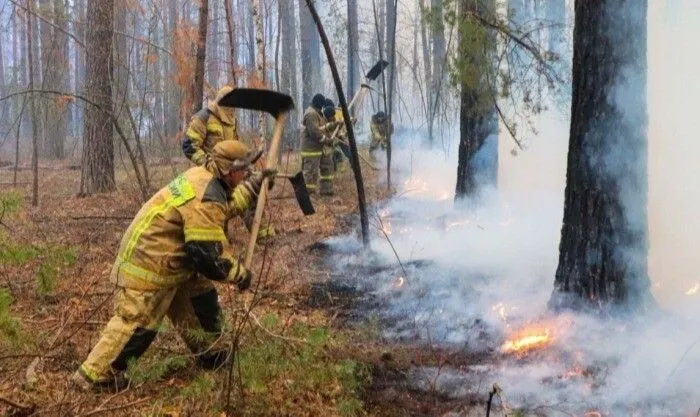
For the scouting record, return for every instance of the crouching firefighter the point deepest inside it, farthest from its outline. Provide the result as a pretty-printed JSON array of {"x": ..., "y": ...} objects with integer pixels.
[
  {"x": 168, "y": 259},
  {"x": 209, "y": 126},
  {"x": 381, "y": 128}
]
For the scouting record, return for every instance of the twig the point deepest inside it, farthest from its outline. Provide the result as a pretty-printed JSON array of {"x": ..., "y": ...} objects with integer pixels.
[
  {"x": 119, "y": 407},
  {"x": 278, "y": 336},
  {"x": 26, "y": 408},
  {"x": 692, "y": 345},
  {"x": 101, "y": 217},
  {"x": 386, "y": 236}
]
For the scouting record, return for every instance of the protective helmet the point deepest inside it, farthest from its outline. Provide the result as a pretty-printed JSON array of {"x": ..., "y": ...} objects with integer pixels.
[
  {"x": 318, "y": 101},
  {"x": 329, "y": 112},
  {"x": 380, "y": 115},
  {"x": 329, "y": 103},
  {"x": 222, "y": 92},
  {"x": 233, "y": 155}
]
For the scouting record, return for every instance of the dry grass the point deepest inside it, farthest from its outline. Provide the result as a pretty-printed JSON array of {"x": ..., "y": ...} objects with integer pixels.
[{"x": 62, "y": 324}]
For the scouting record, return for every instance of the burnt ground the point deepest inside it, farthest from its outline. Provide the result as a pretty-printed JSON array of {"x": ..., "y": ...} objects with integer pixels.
[{"x": 59, "y": 326}]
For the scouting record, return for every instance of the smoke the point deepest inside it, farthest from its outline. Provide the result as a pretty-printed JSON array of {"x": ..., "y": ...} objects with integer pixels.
[{"x": 473, "y": 277}]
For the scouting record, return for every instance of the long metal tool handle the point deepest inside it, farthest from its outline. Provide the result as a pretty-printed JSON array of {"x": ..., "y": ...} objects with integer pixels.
[
  {"x": 359, "y": 95},
  {"x": 262, "y": 197}
]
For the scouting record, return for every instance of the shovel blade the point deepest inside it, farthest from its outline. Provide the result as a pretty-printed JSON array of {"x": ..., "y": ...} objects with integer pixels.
[
  {"x": 302, "y": 194},
  {"x": 377, "y": 69}
]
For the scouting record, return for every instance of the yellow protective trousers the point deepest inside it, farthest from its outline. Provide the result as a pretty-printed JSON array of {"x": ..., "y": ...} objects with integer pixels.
[{"x": 192, "y": 307}]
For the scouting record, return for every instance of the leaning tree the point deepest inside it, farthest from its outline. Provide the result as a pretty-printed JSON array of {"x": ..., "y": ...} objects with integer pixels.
[{"x": 604, "y": 238}]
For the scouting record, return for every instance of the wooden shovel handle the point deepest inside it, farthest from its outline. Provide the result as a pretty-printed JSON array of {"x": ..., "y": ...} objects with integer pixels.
[{"x": 262, "y": 197}]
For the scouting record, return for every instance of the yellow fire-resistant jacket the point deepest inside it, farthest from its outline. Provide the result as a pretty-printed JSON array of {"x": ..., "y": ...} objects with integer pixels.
[
  {"x": 381, "y": 131},
  {"x": 192, "y": 208},
  {"x": 208, "y": 127},
  {"x": 312, "y": 135}
]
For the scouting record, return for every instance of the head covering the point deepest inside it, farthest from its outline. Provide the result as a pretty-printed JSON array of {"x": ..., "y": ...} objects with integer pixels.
[
  {"x": 232, "y": 155},
  {"x": 318, "y": 101},
  {"x": 330, "y": 103},
  {"x": 225, "y": 114},
  {"x": 329, "y": 112}
]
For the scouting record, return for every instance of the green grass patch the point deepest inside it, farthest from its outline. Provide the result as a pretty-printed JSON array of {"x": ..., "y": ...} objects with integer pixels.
[
  {"x": 10, "y": 331},
  {"x": 10, "y": 201},
  {"x": 155, "y": 367},
  {"x": 275, "y": 371}
]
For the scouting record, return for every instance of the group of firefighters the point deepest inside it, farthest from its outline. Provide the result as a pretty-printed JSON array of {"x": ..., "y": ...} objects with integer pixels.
[{"x": 177, "y": 244}]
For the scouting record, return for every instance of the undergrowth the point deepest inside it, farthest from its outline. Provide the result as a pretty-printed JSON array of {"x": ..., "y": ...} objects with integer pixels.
[{"x": 10, "y": 332}]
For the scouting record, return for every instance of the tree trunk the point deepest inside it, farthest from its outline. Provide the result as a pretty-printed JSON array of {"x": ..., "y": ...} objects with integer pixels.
[
  {"x": 353, "y": 49},
  {"x": 198, "y": 86},
  {"x": 232, "y": 41},
  {"x": 5, "y": 107},
  {"x": 288, "y": 69},
  {"x": 555, "y": 14},
  {"x": 604, "y": 237},
  {"x": 260, "y": 59},
  {"x": 310, "y": 55},
  {"x": 121, "y": 63},
  {"x": 477, "y": 164},
  {"x": 427, "y": 63},
  {"x": 438, "y": 39},
  {"x": 78, "y": 64},
  {"x": 45, "y": 47},
  {"x": 34, "y": 116},
  {"x": 61, "y": 78},
  {"x": 174, "y": 95},
  {"x": 391, "y": 57},
  {"x": 213, "y": 46},
  {"x": 97, "y": 166}
]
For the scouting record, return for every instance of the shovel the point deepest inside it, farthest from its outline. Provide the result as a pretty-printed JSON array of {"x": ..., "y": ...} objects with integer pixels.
[
  {"x": 300, "y": 192},
  {"x": 277, "y": 105}
]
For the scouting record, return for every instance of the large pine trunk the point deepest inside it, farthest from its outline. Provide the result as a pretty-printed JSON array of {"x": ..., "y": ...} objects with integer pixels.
[
  {"x": 288, "y": 69},
  {"x": 98, "y": 148},
  {"x": 310, "y": 55},
  {"x": 198, "y": 86},
  {"x": 604, "y": 241},
  {"x": 353, "y": 49},
  {"x": 477, "y": 164}
]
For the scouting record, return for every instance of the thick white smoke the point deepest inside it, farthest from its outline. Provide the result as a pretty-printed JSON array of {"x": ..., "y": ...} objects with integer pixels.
[{"x": 490, "y": 270}]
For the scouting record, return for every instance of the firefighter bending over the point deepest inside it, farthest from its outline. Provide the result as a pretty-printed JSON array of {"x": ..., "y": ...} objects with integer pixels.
[{"x": 168, "y": 259}]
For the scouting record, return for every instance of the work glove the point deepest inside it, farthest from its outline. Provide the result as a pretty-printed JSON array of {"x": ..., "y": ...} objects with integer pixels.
[
  {"x": 240, "y": 276},
  {"x": 255, "y": 180}
]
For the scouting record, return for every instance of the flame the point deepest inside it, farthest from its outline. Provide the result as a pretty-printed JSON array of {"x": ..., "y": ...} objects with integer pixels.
[
  {"x": 500, "y": 308},
  {"x": 527, "y": 340},
  {"x": 573, "y": 373},
  {"x": 693, "y": 290},
  {"x": 398, "y": 282},
  {"x": 592, "y": 414}
]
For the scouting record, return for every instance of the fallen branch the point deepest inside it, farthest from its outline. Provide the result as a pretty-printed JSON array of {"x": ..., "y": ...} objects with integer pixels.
[
  {"x": 22, "y": 407},
  {"x": 101, "y": 217},
  {"x": 119, "y": 407}
]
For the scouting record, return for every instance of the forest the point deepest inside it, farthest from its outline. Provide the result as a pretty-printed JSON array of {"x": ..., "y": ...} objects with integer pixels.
[{"x": 450, "y": 208}]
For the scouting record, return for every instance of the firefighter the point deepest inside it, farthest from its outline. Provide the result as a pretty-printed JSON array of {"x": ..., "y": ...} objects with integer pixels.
[
  {"x": 381, "y": 128},
  {"x": 316, "y": 164},
  {"x": 333, "y": 114},
  {"x": 168, "y": 259},
  {"x": 208, "y": 127}
]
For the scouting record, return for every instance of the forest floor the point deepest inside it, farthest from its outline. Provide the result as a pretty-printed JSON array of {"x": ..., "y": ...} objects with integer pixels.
[{"x": 298, "y": 355}]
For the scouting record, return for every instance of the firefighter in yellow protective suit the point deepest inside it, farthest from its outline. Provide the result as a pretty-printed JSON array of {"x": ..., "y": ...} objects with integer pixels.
[
  {"x": 168, "y": 258},
  {"x": 380, "y": 128},
  {"x": 316, "y": 164},
  {"x": 208, "y": 127}
]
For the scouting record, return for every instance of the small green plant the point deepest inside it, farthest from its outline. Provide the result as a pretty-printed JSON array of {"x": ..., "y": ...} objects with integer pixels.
[
  {"x": 10, "y": 201},
  {"x": 154, "y": 368},
  {"x": 270, "y": 365},
  {"x": 14, "y": 254},
  {"x": 202, "y": 385},
  {"x": 9, "y": 326},
  {"x": 53, "y": 260}
]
